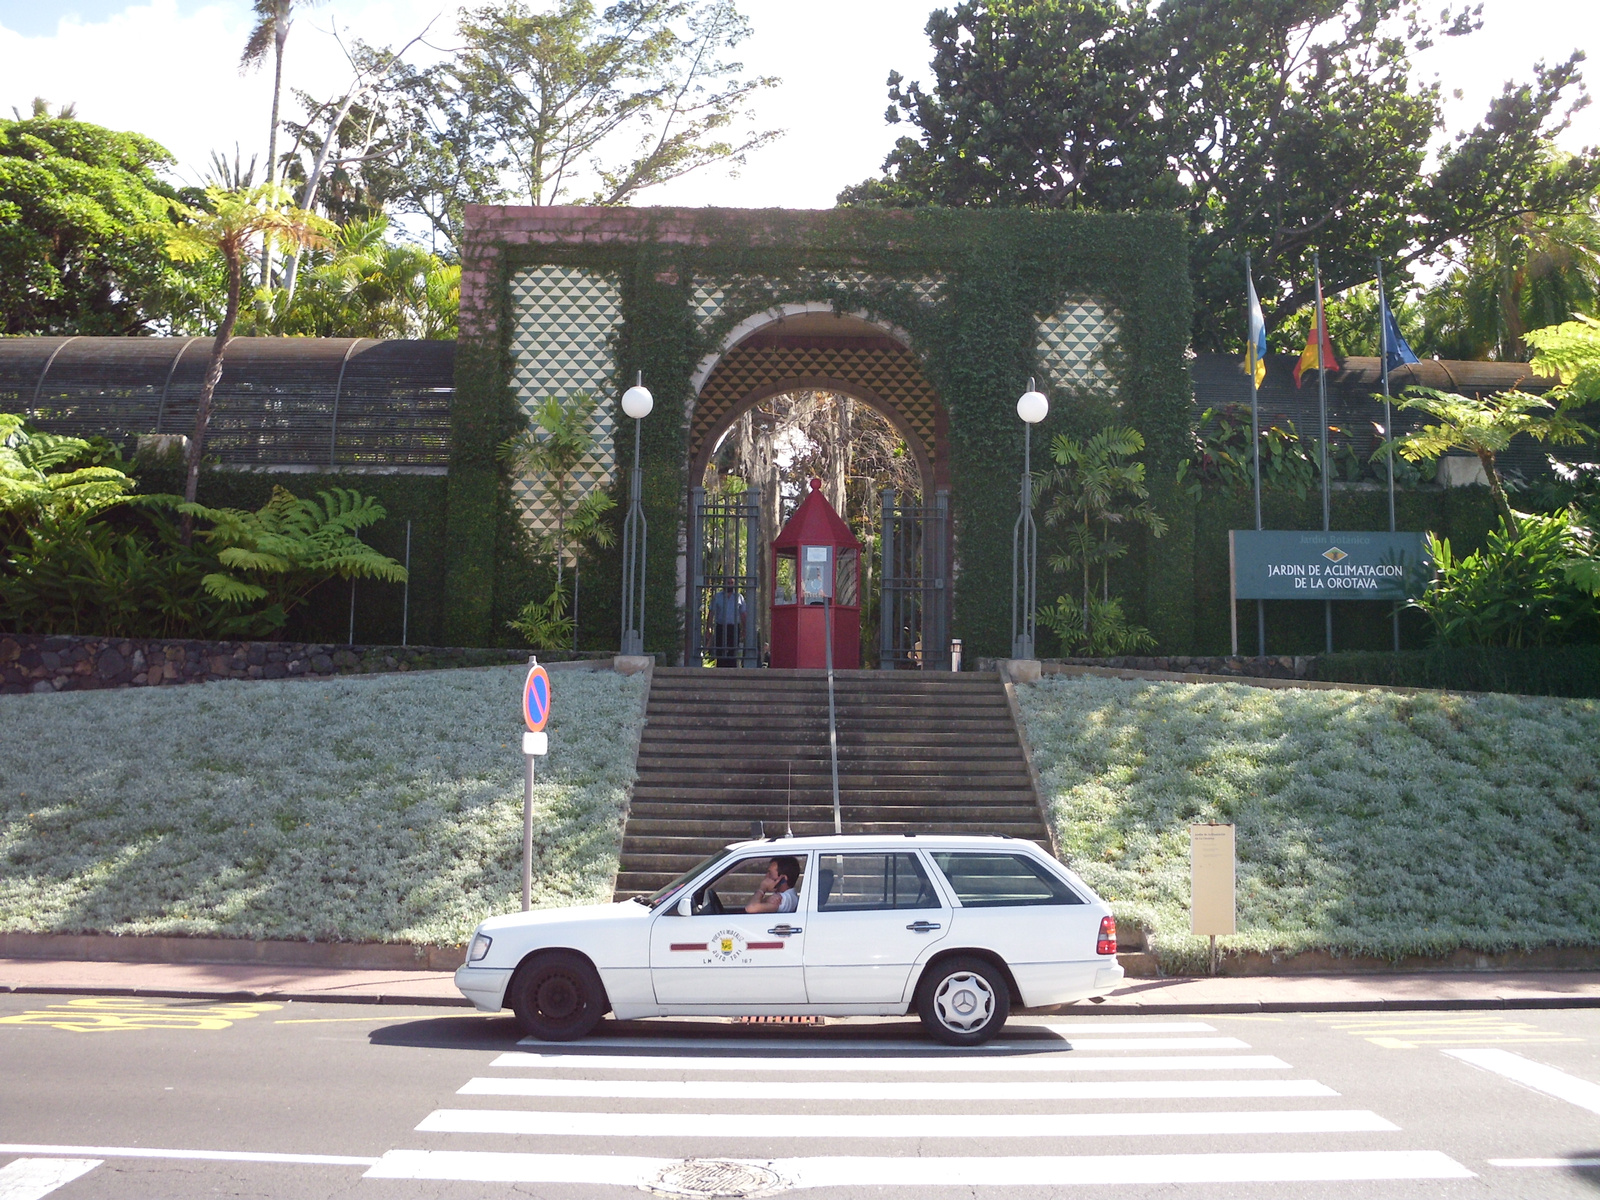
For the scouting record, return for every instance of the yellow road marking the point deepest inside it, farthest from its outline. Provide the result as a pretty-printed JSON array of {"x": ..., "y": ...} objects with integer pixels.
[
  {"x": 1410, "y": 1031},
  {"x": 105, "y": 1014}
]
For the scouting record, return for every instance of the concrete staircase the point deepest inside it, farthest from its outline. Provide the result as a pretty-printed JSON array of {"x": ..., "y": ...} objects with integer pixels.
[{"x": 925, "y": 753}]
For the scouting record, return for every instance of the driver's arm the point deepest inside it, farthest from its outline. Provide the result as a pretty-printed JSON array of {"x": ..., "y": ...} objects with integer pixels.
[{"x": 763, "y": 901}]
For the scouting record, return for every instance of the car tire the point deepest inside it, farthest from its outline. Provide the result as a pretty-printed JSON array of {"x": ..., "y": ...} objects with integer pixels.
[
  {"x": 963, "y": 1001},
  {"x": 557, "y": 996}
]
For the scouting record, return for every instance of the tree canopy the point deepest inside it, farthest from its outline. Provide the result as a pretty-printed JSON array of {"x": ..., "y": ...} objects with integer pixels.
[
  {"x": 1277, "y": 126},
  {"x": 81, "y": 245}
]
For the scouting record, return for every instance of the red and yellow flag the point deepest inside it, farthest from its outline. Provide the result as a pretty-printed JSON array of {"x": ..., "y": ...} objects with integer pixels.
[{"x": 1318, "y": 354}]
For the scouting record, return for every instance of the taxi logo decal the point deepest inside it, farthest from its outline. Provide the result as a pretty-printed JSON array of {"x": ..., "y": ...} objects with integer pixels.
[{"x": 727, "y": 947}]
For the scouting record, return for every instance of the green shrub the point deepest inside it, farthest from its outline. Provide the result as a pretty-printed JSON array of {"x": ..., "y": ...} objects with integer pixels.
[{"x": 1536, "y": 671}]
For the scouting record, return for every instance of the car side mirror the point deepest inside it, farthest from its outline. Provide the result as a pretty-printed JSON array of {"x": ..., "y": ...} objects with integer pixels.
[{"x": 686, "y": 905}]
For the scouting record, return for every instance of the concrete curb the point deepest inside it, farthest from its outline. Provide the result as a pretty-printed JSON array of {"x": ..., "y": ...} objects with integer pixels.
[{"x": 355, "y": 956}]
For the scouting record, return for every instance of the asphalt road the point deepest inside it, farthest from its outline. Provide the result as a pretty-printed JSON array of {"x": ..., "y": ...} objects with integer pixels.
[{"x": 173, "y": 1099}]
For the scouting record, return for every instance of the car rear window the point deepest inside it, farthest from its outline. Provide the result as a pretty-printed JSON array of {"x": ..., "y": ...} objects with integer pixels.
[
  {"x": 984, "y": 879},
  {"x": 859, "y": 882}
]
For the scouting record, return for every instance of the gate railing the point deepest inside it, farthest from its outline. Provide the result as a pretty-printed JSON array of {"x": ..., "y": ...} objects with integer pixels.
[
  {"x": 724, "y": 552},
  {"x": 914, "y": 613}
]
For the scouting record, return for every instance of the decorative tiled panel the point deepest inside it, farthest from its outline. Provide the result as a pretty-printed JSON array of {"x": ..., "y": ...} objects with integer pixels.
[
  {"x": 710, "y": 298},
  {"x": 560, "y": 346},
  {"x": 1072, "y": 342},
  {"x": 893, "y": 375}
]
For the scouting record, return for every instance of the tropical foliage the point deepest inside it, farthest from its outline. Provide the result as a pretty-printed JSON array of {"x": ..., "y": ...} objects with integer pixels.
[
  {"x": 82, "y": 210},
  {"x": 47, "y": 475},
  {"x": 1516, "y": 590},
  {"x": 550, "y": 454},
  {"x": 1095, "y": 491},
  {"x": 274, "y": 556}
]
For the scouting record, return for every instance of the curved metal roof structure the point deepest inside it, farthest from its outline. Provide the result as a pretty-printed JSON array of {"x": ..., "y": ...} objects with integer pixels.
[{"x": 324, "y": 403}]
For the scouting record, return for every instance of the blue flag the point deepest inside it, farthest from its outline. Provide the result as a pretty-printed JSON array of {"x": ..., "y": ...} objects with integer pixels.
[{"x": 1396, "y": 351}]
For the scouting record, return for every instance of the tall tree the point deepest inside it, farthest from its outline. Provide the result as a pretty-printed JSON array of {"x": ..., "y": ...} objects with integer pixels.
[
  {"x": 270, "y": 32},
  {"x": 1279, "y": 127},
  {"x": 81, "y": 246},
  {"x": 572, "y": 104},
  {"x": 228, "y": 227}
]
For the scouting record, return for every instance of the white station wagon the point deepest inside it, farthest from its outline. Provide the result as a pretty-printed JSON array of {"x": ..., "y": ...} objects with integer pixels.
[{"x": 958, "y": 928}]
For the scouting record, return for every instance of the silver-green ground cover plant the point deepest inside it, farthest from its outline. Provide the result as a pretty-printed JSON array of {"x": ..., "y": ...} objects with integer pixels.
[
  {"x": 362, "y": 809},
  {"x": 1368, "y": 823}
]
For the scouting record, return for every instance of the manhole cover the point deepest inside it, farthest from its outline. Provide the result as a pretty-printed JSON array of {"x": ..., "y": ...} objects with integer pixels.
[{"x": 716, "y": 1177}]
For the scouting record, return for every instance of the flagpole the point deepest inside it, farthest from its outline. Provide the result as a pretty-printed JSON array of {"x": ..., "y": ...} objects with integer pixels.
[
  {"x": 1322, "y": 400},
  {"x": 1255, "y": 447},
  {"x": 1388, "y": 417}
]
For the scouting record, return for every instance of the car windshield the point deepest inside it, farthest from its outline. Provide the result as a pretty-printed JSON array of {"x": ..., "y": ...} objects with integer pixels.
[{"x": 659, "y": 897}]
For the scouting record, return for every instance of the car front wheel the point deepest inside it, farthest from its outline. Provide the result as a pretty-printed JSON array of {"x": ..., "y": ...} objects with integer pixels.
[
  {"x": 963, "y": 1001},
  {"x": 557, "y": 997}
]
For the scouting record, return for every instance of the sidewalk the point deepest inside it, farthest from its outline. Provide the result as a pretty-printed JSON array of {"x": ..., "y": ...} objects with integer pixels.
[{"x": 1274, "y": 993}]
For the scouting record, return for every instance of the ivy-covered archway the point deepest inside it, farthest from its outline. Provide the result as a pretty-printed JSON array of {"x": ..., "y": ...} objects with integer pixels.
[{"x": 560, "y": 300}]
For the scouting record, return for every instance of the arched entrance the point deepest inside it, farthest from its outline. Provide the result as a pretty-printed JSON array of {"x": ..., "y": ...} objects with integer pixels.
[{"x": 859, "y": 364}]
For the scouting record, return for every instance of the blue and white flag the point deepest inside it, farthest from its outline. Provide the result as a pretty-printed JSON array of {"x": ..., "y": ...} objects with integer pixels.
[
  {"x": 1396, "y": 351},
  {"x": 1255, "y": 352}
]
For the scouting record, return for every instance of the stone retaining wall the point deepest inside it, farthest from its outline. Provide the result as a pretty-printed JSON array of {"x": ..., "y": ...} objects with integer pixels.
[
  {"x": 1274, "y": 666},
  {"x": 33, "y": 663}
]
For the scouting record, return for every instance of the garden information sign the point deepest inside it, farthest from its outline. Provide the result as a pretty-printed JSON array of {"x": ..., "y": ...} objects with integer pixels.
[{"x": 1274, "y": 564}]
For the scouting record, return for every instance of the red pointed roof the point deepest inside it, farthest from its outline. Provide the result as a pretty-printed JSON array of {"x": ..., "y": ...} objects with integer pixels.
[{"x": 815, "y": 524}]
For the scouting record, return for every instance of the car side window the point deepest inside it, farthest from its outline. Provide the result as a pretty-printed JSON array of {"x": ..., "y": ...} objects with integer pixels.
[
  {"x": 864, "y": 882},
  {"x": 732, "y": 889},
  {"x": 987, "y": 879}
]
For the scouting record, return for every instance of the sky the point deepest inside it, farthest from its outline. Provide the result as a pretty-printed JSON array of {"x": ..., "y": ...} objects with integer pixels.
[{"x": 169, "y": 69}]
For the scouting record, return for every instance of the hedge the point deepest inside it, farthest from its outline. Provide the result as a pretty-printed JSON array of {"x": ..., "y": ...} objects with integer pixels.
[{"x": 1541, "y": 671}]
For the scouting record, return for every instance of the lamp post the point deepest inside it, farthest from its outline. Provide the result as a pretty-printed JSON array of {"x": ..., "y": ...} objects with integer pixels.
[
  {"x": 636, "y": 403},
  {"x": 1032, "y": 407}
]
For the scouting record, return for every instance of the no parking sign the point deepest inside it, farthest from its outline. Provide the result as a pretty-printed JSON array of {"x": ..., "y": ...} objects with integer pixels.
[{"x": 536, "y": 710}]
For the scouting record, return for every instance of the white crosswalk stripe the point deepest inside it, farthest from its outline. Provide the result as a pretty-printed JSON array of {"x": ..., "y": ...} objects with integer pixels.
[
  {"x": 888, "y": 1106},
  {"x": 34, "y": 1178}
]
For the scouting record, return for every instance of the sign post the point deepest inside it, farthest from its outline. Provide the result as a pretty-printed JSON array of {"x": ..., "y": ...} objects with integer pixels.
[
  {"x": 535, "y": 712},
  {"x": 1211, "y": 893}
]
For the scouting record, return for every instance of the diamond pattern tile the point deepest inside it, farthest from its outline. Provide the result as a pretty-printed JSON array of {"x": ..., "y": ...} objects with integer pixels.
[
  {"x": 1071, "y": 345},
  {"x": 710, "y": 297},
  {"x": 560, "y": 346}
]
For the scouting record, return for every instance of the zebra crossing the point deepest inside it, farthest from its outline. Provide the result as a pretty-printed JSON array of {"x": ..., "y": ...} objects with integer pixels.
[{"x": 1060, "y": 1104}]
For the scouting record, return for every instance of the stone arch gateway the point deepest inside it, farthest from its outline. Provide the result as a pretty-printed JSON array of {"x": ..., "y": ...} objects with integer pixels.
[{"x": 935, "y": 319}]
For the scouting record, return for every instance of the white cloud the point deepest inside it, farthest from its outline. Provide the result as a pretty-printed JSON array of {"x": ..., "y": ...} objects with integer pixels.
[{"x": 169, "y": 70}]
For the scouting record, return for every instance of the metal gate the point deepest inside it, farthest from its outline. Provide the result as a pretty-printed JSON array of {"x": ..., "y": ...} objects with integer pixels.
[
  {"x": 914, "y": 617},
  {"x": 724, "y": 572}
]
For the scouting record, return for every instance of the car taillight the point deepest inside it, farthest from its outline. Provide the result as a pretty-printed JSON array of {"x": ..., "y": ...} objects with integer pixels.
[{"x": 1108, "y": 936}]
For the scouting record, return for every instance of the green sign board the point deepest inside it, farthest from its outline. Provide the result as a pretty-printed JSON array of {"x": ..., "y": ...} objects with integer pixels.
[{"x": 1279, "y": 564}]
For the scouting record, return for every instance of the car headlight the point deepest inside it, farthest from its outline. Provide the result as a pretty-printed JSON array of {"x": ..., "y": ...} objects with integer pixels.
[{"x": 479, "y": 950}]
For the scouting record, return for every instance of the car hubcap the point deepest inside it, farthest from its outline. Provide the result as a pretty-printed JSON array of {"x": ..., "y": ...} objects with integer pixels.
[
  {"x": 964, "y": 1001},
  {"x": 558, "y": 998}
]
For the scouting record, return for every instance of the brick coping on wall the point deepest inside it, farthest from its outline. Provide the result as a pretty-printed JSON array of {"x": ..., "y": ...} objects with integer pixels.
[{"x": 37, "y": 663}]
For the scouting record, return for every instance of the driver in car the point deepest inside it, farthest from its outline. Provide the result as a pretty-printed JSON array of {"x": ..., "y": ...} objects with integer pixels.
[{"x": 776, "y": 892}]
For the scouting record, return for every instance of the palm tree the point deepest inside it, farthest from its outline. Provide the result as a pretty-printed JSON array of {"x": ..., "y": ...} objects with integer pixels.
[
  {"x": 550, "y": 452},
  {"x": 273, "y": 19},
  {"x": 1096, "y": 487},
  {"x": 229, "y": 225}
]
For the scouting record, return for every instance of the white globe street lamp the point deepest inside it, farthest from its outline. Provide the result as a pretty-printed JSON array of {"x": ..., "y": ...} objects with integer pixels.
[
  {"x": 636, "y": 403},
  {"x": 1032, "y": 407}
]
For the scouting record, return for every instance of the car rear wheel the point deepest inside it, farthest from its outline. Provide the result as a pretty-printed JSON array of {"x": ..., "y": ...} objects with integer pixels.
[
  {"x": 963, "y": 1001},
  {"x": 557, "y": 997}
]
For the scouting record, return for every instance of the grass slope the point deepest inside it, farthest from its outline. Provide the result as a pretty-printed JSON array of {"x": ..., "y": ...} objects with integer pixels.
[
  {"x": 363, "y": 809},
  {"x": 1367, "y": 822}
]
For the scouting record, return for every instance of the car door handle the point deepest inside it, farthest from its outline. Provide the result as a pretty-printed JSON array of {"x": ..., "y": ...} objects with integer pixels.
[
  {"x": 785, "y": 930},
  {"x": 923, "y": 926}
]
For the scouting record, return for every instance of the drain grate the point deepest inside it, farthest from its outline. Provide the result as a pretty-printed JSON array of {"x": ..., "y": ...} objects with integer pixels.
[{"x": 716, "y": 1177}]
